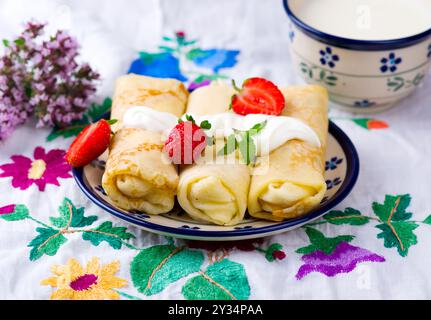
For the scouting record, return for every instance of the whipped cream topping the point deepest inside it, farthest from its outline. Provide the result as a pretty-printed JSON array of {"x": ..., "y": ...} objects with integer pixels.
[
  {"x": 149, "y": 119},
  {"x": 277, "y": 131}
]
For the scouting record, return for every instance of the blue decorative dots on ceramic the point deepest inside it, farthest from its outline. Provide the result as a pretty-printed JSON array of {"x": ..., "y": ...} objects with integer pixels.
[
  {"x": 328, "y": 58},
  {"x": 178, "y": 224},
  {"x": 390, "y": 63},
  {"x": 333, "y": 163},
  {"x": 333, "y": 183},
  {"x": 364, "y": 103},
  {"x": 357, "y": 71}
]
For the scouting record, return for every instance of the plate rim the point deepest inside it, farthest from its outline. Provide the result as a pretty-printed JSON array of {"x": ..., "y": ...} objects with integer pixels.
[{"x": 352, "y": 162}]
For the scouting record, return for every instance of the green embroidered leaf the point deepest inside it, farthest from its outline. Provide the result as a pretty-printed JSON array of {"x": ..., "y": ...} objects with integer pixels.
[
  {"x": 393, "y": 209},
  {"x": 362, "y": 122},
  {"x": 47, "y": 242},
  {"x": 166, "y": 49},
  {"x": 349, "y": 216},
  {"x": 167, "y": 38},
  {"x": 223, "y": 280},
  {"x": 76, "y": 220},
  {"x": 269, "y": 252},
  {"x": 17, "y": 212},
  {"x": 398, "y": 235},
  {"x": 154, "y": 268},
  {"x": 114, "y": 236},
  {"x": 71, "y": 131},
  {"x": 96, "y": 111},
  {"x": 322, "y": 243},
  {"x": 428, "y": 220},
  {"x": 195, "y": 53}
]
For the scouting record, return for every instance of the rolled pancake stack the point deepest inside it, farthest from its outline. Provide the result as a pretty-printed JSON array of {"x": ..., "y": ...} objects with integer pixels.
[
  {"x": 291, "y": 180},
  {"x": 213, "y": 190},
  {"x": 136, "y": 177}
]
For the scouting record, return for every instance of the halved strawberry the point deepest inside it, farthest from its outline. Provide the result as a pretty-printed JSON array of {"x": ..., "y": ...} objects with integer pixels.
[
  {"x": 186, "y": 141},
  {"x": 89, "y": 144},
  {"x": 258, "y": 95}
]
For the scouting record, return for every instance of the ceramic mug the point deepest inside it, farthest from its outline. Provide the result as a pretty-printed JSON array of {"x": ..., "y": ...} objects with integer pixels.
[{"x": 360, "y": 75}]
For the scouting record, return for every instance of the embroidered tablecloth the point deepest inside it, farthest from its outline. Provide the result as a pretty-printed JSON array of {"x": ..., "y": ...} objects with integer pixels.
[{"x": 54, "y": 243}]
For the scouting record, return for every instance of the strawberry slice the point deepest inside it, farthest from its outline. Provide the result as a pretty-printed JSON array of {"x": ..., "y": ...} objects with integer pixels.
[
  {"x": 89, "y": 144},
  {"x": 186, "y": 141},
  {"x": 258, "y": 95}
]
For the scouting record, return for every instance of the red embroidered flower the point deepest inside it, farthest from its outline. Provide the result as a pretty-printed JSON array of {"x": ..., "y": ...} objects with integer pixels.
[
  {"x": 278, "y": 255},
  {"x": 377, "y": 124},
  {"x": 44, "y": 169},
  {"x": 180, "y": 34}
]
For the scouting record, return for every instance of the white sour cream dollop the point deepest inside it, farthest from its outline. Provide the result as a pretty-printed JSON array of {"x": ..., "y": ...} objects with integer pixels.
[{"x": 277, "y": 131}]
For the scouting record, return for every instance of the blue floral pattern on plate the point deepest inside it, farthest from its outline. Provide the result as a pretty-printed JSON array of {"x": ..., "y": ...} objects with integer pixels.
[
  {"x": 100, "y": 189},
  {"x": 390, "y": 63},
  {"x": 333, "y": 163},
  {"x": 243, "y": 228},
  {"x": 188, "y": 227},
  {"x": 429, "y": 51},
  {"x": 364, "y": 104},
  {"x": 332, "y": 183},
  {"x": 328, "y": 57}
]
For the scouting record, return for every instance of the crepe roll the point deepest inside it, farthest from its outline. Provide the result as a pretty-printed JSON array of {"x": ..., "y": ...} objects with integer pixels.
[
  {"x": 213, "y": 190},
  {"x": 290, "y": 182},
  {"x": 136, "y": 176}
]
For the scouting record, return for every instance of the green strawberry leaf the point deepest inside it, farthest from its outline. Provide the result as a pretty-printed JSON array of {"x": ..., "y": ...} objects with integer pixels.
[
  {"x": 322, "y": 243},
  {"x": 393, "y": 209},
  {"x": 47, "y": 242},
  {"x": 398, "y": 235},
  {"x": 17, "y": 212},
  {"x": 223, "y": 280},
  {"x": 205, "y": 125},
  {"x": 96, "y": 111},
  {"x": 349, "y": 216},
  {"x": 70, "y": 216},
  {"x": 114, "y": 236},
  {"x": 428, "y": 220},
  {"x": 230, "y": 146},
  {"x": 154, "y": 268}
]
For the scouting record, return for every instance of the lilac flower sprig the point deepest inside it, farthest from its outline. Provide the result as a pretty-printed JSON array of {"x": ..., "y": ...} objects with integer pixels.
[{"x": 43, "y": 77}]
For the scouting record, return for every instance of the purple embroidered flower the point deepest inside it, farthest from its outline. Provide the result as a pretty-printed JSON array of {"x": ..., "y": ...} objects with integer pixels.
[
  {"x": 342, "y": 260},
  {"x": 390, "y": 63},
  {"x": 44, "y": 169},
  {"x": 328, "y": 58},
  {"x": 195, "y": 85},
  {"x": 333, "y": 163}
]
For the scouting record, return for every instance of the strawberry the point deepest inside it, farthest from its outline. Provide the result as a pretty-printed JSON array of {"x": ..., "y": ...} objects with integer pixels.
[
  {"x": 258, "y": 95},
  {"x": 89, "y": 144},
  {"x": 186, "y": 141}
]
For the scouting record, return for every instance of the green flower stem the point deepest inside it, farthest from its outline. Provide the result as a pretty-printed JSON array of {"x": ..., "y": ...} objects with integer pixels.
[
  {"x": 40, "y": 222},
  {"x": 260, "y": 250},
  {"x": 128, "y": 296},
  {"x": 126, "y": 244}
]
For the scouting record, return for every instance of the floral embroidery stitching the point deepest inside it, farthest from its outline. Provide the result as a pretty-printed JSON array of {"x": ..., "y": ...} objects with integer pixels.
[
  {"x": 44, "y": 169},
  {"x": 94, "y": 282}
]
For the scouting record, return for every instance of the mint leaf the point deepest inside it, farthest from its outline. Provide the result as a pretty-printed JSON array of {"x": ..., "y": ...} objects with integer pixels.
[
  {"x": 258, "y": 128},
  {"x": 247, "y": 148},
  {"x": 230, "y": 146},
  {"x": 96, "y": 111},
  {"x": 205, "y": 125},
  {"x": 112, "y": 121}
]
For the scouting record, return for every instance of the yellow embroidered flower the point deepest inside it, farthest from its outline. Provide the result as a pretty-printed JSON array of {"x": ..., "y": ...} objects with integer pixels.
[{"x": 92, "y": 283}]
